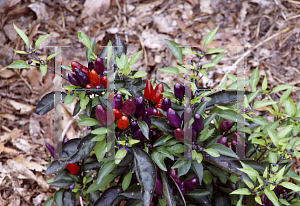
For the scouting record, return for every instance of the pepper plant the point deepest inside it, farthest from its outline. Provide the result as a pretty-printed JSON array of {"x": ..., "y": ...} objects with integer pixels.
[{"x": 172, "y": 147}]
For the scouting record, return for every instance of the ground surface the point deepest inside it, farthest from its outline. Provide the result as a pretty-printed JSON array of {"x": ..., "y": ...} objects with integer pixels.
[{"x": 271, "y": 27}]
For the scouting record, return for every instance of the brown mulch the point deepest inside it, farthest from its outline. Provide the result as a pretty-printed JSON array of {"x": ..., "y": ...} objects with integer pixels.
[{"x": 271, "y": 27}]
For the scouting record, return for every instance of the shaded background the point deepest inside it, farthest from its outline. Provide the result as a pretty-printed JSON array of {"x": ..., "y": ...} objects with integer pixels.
[{"x": 271, "y": 26}]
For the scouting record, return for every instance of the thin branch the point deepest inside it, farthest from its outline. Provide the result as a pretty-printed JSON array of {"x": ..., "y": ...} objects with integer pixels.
[{"x": 40, "y": 60}]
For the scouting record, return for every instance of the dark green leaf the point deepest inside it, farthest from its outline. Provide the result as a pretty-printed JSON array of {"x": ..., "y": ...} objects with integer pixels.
[
  {"x": 105, "y": 181},
  {"x": 183, "y": 170},
  {"x": 76, "y": 108},
  {"x": 209, "y": 37},
  {"x": 177, "y": 106},
  {"x": 88, "y": 52},
  {"x": 223, "y": 150},
  {"x": 56, "y": 166},
  {"x": 146, "y": 173},
  {"x": 144, "y": 127},
  {"x": 105, "y": 169},
  {"x": 171, "y": 191},
  {"x": 22, "y": 35},
  {"x": 58, "y": 197},
  {"x": 93, "y": 196},
  {"x": 198, "y": 193},
  {"x": 69, "y": 148},
  {"x": 88, "y": 122},
  {"x": 85, "y": 147},
  {"x": 49, "y": 202},
  {"x": 201, "y": 108},
  {"x": 109, "y": 196},
  {"x": 198, "y": 169},
  {"x": 180, "y": 163},
  {"x": 175, "y": 50},
  {"x": 47, "y": 103},
  {"x": 133, "y": 191},
  {"x": 69, "y": 198},
  {"x": 162, "y": 124},
  {"x": 158, "y": 158},
  {"x": 19, "y": 64}
]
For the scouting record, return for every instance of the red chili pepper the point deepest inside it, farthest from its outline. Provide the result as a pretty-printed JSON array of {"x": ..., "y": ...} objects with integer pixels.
[
  {"x": 118, "y": 113},
  {"x": 159, "y": 104},
  {"x": 73, "y": 168},
  {"x": 123, "y": 122},
  {"x": 104, "y": 81},
  {"x": 148, "y": 90},
  {"x": 79, "y": 66},
  {"x": 156, "y": 95},
  {"x": 94, "y": 77},
  {"x": 159, "y": 114}
]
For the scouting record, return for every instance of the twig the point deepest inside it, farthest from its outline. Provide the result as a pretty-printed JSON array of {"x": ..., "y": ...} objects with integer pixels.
[
  {"x": 40, "y": 60},
  {"x": 261, "y": 43},
  {"x": 68, "y": 125}
]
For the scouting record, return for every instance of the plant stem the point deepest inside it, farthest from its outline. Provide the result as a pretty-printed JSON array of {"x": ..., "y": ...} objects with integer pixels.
[
  {"x": 262, "y": 154},
  {"x": 40, "y": 60}
]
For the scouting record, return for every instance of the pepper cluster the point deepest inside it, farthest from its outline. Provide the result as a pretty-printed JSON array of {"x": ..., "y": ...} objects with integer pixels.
[{"x": 89, "y": 77}]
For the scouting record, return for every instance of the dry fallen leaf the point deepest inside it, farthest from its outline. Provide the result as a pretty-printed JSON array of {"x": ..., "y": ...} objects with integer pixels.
[
  {"x": 8, "y": 116},
  {"x": 91, "y": 6},
  {"x": 24, "y": 108},
  {"x": 16, "y": 133},
  {"x": 30, "y": 165},
  {"x": 40, "y": 10},
  {"x": 6, "y": 73},
  {"x": 19, "y": 168}
]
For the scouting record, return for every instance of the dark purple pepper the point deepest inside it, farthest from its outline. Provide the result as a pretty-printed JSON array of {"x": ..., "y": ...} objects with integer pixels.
[
  {"x": 270, "y": 203},
  {"x": 190, "y": 185},
  {"x": 50, "y": 148},
  {"x": 174, "y": 118},
  {"x": 138, "y": 135},
  {"x": 207, "y": 156},
  {"x": 166, "y": 104},
  {"x": 198, "y": 124},
  {"x": 118, "y": 102},
  {"x": 174, "y": 173},
  {"x": 140, "y": 106},
  {"x": 71, "y": 92},
  {"x": 155, "y": 198},
  {"x": 225, "y": 125},
  {"x": 129, "y": 107},
  {"x": 81, "y": 76},
  {"x": 91, "y": 65},
  {"x": 190, "y": 132},
  {"x": 89, "y": 127},
  {"x": 179, "y": 91},
  {"x": 152, "y": 204},
  {"x": 188, "y": 111},
  {"x": 223, "y": 141},
  {"x": 158, "y": 186},
  {"x": 179, "y": 134},
  {"x": 147, "y": 119},
  {"x": 99, "y": 66},
  {"x": 181, "y": 187},
  {"x": 73, "y": 80},
  {"x": 152, "y": 111},
  {"x": 134, "y": 126},
  {"x": 65, "y": 140},
  {"x": 102, "y": 116}
]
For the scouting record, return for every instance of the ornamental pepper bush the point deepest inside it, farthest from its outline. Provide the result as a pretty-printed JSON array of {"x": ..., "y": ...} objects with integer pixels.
[{"x": 150, "y": 143}]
